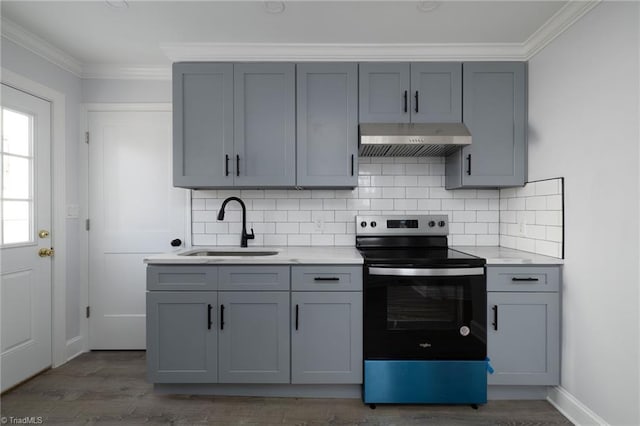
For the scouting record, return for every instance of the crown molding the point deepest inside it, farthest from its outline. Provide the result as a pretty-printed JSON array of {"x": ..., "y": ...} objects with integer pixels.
[
  {"x": 569, "y": 14},
  {"x": 275, "y": 52},
  {"x": 178, "y": 52},
  {"x": 20, "y": 36},
  {"x": 122, "y": 72}
]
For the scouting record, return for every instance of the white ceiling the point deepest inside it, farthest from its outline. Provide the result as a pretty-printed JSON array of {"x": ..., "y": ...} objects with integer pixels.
[{"x": 154, "y": 33}]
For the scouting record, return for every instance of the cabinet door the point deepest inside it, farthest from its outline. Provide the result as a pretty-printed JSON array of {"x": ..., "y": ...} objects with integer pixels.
[
  {"x": 436, "y": 92},
  {"x": 494, "y": 110},
  {"x": 182, "y": 337},
  {"x": 327, "y": 119},
  {"x": 254, "y": 337},
  {"x": 524, "y": 343},
  {"x": 326, "y": 343},
  {"x": 264, "y": 124},
  {"x": 384, "y": 93},
  {"x": 202, "y": 124}
]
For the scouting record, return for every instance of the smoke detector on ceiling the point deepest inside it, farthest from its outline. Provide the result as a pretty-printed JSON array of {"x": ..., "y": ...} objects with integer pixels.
[
  {"x": 274, "y": 6},
  {"x": 428, "y": 6},
  {"x": 117, "y": 4}
]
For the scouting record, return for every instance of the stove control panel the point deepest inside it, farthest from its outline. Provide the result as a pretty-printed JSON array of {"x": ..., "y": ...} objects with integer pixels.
[{"x": 403, "y": 225}]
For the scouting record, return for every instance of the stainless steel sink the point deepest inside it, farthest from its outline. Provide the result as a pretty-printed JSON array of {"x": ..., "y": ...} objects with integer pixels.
[{"x": 241, "y": 253}]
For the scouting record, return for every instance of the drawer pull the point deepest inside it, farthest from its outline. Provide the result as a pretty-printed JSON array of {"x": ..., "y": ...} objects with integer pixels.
[
  {"x": 528, "y": 279},
  {"x": 297, "y": 317},
  {"x": 495, "y": 317},
  {"x": 209, "y": 322},
  {"x": 326, "y": 279}
]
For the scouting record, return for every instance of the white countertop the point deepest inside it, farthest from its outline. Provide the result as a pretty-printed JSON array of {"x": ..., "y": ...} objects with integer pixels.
[
  {"x": 285, "y": 256},
  {"x": 507, "y": 256}
]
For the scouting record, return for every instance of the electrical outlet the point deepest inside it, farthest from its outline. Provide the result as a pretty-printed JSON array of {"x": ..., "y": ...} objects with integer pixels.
[{"x": 318, "y": 225}]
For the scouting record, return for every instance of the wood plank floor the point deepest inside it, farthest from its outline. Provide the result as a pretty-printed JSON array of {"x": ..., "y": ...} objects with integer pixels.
[{"x": 110, "y": 388}]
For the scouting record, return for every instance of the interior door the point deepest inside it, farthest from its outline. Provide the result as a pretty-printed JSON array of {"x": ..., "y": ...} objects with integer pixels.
[
  {"x": 134, "y": 212},
  {"x": 25, "y": 224}
]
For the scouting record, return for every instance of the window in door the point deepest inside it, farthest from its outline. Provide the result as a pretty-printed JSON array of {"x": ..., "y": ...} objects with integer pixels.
[{"x": 17, "y": 156}]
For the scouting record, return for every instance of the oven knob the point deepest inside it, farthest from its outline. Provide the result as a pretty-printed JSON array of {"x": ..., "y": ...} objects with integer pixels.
[
  {"x": 441, "y": 223},
  {"x": 363, "y": 224},
  {"x": 431, "y": 224},
  {"x": 373, "y": 224}
]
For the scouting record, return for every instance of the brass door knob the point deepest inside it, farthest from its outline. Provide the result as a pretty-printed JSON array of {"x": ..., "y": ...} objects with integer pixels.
[
  {"x": 43, "y": 233},
  {"x": 45, "y": 252}
]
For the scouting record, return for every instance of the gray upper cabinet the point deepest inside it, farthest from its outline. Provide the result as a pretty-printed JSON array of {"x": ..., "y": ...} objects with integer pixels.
[
  {"x": 429, "y": 92},
  {"x": 182, "y": 337},
  {"x": 327, "y": 124},
  {"x": 494, "y": 110},
  {"x": 202, "y": 124},
  {"x": 234, "y": 125},
  {"x": 326, "y": 342},
  {"x": 254, "y": 337},
  {"x": 264, "y": 125}
]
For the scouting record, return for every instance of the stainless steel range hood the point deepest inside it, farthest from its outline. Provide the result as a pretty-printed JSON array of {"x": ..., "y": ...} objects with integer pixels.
[{"x": 412, "y": 140}]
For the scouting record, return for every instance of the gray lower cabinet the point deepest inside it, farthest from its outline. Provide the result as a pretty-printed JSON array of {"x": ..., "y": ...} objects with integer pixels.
[
  {"x": 182, "y": 338},
  {"x": 523, "y": 325},
  {"x": 326, "y": 342},
  {"x": 248, "y": 327},
  {"x": 327, "y": 124},
  {"x": 253, "y": 337},
  {"x": 234, "y": 125},
  {"x": 427, "y": 92},
  {"x": 494, "y": 110}
]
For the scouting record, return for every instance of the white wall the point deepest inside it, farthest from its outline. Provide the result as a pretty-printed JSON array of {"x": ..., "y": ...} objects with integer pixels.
[
  {"x": 33, "y": 67},
  {"x": 583, "y": 125},
  {"x": 126, "y": 91}
]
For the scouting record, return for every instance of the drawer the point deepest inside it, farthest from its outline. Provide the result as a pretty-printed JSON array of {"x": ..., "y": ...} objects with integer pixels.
[
  {"x": 523, "y": 278},
  {"x": 326, "y": 278},
  {"x": 182, "y": 277},
  {"x": 249, "y": 277}
]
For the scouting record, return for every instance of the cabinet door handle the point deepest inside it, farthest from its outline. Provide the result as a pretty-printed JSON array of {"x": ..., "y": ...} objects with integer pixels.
[
  {"x": 469, "y": 164},
  {"x": 226, "y": 164},
  {"x": 525, "y": 279},
  {"x": 237, "y": 165},
  {"x": 405, "y": 100},
  {"x": 352, "y": 161},
  {"x": 209, "y": 322},
  {"x": 417, "y": 102},
  {"x": 326, "y": 279},
  {"x": 221, "y": 317},
  {"x": 297, "y": 316},
  {"x": 495, "y": 317}
]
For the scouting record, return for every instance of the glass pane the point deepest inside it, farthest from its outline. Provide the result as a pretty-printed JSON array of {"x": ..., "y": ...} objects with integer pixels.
[
  {"x": 16, "y": 220},
  {"x": 16, "y": 177},
  {"x": 16, "y": 129}
]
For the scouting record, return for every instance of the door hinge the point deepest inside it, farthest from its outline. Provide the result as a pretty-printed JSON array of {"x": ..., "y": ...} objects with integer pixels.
[
  {"x": 86, "y": 137},
  {"x": 88, "y": 311},
  {"x": 87, "y": 224}
]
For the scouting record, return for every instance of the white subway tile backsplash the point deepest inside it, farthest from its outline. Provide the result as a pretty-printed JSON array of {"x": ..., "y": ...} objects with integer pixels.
[
  {"x": 326, "y": 217},
  {"x": 488, "y": 240},
  {"x": 531, "y": 217}
]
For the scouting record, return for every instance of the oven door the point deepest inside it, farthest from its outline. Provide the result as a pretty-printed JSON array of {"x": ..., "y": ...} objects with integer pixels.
[{"x": 425, "y": 313}]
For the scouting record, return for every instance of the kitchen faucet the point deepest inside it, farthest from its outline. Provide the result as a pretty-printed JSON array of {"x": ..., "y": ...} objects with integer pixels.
[{"x": 245, "y": 236}]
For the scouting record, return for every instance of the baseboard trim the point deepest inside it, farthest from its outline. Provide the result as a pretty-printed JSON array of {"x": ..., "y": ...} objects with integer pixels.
[
  {"x": 262, "y": 390},
  {"x": 508, "y": 392},
  {"x": 572, "y": 408},
  {"x": 75, "y": 347}
]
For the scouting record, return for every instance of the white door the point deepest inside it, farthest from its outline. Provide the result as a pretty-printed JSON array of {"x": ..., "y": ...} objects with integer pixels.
[
  {"x": 134, "y": 211},
  {"x": 25, "y": 296}
]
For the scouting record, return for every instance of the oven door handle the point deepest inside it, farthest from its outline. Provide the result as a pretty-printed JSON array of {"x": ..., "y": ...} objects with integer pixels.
[{"x": 426, "y": 272}]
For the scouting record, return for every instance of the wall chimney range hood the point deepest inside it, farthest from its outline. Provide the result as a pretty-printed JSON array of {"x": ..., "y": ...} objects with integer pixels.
[{"x": 412, "y": 139}]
